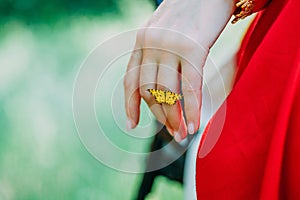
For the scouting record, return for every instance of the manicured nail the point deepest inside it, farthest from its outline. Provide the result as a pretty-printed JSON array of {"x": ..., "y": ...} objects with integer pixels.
[
  {"x": 191, "y": 128},
  {"x": 177, "y": 137},
  {"x": 128, "y": 125}
]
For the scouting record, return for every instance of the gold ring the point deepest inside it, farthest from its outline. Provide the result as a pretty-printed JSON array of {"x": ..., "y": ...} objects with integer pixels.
[{"x": 165, "y": 96}]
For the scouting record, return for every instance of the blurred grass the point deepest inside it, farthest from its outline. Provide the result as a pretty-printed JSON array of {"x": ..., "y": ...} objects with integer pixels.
[
  {"x": 41, "y": 156},
  {"x": 33, "y": 11}
]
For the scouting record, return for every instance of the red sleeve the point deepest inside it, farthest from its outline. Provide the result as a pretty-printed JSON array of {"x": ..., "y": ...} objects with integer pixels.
[
  {"x": 252, "y": 146},
  {"x": 260, "y": 4}
]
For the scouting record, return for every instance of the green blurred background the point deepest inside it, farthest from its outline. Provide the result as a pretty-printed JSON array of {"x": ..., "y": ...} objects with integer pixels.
[{"x": 42, "y": 45}]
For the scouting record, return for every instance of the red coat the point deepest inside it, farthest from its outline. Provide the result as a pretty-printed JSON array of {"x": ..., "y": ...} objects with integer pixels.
[{"x": 251, "y": 149}]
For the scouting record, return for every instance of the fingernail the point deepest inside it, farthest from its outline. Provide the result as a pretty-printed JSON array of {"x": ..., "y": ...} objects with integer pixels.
[
  {"x": 177, "y": 137},
  {"x": 128, "y": 125},
  {"x": 191, "y": 128}
]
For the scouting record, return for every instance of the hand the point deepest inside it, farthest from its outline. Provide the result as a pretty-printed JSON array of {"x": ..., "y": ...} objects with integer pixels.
[{"x": 169, "y": 54}]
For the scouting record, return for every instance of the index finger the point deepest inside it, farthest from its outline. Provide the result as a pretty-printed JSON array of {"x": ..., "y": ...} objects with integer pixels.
[{"x": 131, "y": 88}]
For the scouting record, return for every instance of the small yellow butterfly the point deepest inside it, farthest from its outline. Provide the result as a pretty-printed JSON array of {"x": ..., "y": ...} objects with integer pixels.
[{"x": 167, "y": 97}]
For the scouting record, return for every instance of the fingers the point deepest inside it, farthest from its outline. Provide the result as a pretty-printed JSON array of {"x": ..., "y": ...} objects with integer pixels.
[
  {"x": 131, "y": 88},
  {"x": 152, "y": 68},
  {"x": 148, "y": 75},
  {"x": 191, "y": 89},
  {"x": 168, "y": 79}
]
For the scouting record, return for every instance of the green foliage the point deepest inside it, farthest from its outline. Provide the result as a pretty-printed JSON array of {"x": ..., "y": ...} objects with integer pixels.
[
  {"x": 43, "y": 10},
  {"x": 41, "y": 155}
]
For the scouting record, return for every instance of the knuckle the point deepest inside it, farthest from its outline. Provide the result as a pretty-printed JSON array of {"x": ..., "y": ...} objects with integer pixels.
[
  {"x": 188, "y": 89},
  {"x": 151, "y": 35},
  {"x": 192, "y": 82},
  {"x": 189, "y": 86},
  {"x": 140, "y": 35},
  {"x": 193, "y": 77},
  {"x": 187, "y": 46},
  {"x": 135, "y": 56},
  {"x": 149, "y": 38}
]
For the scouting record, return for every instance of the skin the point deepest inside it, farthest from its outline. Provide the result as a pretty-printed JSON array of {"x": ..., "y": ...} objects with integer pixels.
[{"x": 169, "y": 54}]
